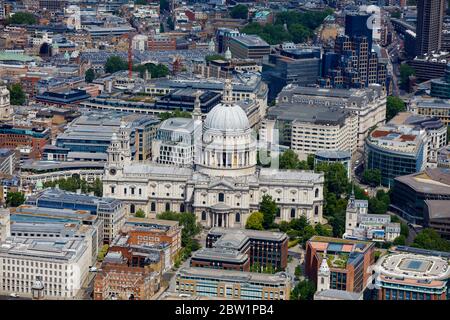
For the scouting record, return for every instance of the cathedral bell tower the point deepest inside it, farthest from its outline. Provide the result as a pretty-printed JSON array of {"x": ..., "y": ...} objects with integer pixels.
[{"x": 119, "y": 152}]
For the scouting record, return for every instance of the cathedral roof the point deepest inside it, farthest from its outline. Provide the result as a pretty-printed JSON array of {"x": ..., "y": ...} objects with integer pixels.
[{"x": 227, "y": 116}]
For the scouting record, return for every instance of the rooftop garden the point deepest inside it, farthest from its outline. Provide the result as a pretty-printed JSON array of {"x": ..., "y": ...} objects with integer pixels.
[{"x": 337, "y": 260}]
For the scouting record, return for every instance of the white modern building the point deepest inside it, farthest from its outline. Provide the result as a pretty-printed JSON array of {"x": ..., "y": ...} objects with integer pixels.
[
  {"x": 62, "y": 264},
  {"x": 369, "y": 104},
  {"x": 224, "y": 186}
]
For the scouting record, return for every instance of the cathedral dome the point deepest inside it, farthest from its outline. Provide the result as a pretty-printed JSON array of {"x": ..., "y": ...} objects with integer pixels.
[{"x": 227, "y": 116}]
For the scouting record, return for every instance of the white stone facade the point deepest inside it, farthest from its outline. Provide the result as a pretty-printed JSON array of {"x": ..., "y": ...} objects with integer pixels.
[{"x": 223, "y": 187}]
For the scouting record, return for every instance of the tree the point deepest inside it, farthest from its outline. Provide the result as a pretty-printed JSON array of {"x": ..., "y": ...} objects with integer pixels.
[
  {"x": 405, "y": 72},
  {"x": 174, "y": 114},
  {"x": 429, "y": 239},
  {"x": 140, "y": 2},
  {"x": 22, "y": 18},
  {"x": 89, "y": 76},
  {"x": 255, "y": 221},
  {"x": 16, "y": 95},
  {"x": 14, "y": 199},
  {"x": 299, "y": 33},
  {"x": 140, "y": 213},
  {"x": 323, "y": 230},
  {"x": 268, "y": 208},
  {"x": 394, "y": 105},
  {"x": 372, "y": 177},
  {"x": 187, "y": 220},
  {"x": 396, "y": 14},
  {"x": 399, "y": 241},
  {"x": 239, "y": 12},
  {"x": 155, "y": 70},
  {"x": 283, "y": 226},
  {"x": 304, "y": 290},
  {"x": 298, "y": 224},
  {"x": 336, "y": 180},
  {"x": 114, "y": 64},
  {"x": 289, "y": 160}
]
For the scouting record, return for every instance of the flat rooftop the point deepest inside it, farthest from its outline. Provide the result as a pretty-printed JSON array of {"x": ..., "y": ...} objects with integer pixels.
[{"x": 234, "y": 276}]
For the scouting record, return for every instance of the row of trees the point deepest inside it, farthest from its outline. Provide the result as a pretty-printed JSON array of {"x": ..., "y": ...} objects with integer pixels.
[
  {"x": 22, "y": 18},
  {"x": 174, "y": 114},
  {"x": 73, "y": 184},
  {"x": 116, "y": 63},
  {"x": 289, "y": 26}
]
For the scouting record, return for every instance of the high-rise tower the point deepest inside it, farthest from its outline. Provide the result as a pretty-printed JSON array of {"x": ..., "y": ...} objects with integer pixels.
[{"x": 430, "y": 14}]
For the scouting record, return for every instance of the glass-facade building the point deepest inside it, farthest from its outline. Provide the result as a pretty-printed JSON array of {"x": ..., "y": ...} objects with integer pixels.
[{"x": 393, "y": 163}]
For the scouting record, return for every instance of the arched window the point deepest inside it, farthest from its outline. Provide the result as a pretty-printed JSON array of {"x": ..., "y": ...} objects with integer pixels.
[
  {"x": 316, "y": 193},
  {"x": 167, "y": 206},
  {"x": 238, "y": 217},
  {"x": 153, "y": 206},
  {"x": 203, "y": 215},
  {"x": 278, "y": 212},
  {"x": 293, "y": 213},
  {"x": 182, "y": 207},
  {"x": 316, "y": 211},
  {"x": 132, "y": 208},
  {"x": 221, "y": 197}
]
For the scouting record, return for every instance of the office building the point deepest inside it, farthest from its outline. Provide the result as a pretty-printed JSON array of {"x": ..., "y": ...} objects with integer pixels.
[
  {"x": 145, "y": 231},
  {"x": 299, "y": 66},
  {"x": 110, "y": 211},
  {"x": 31, "y": 221},
  {"x": 437, "y": 216},
  {"x": 248, "y": 47},
  {"x": 430, "y": 15},
  {"x": 223, "y": 36},
  {"x": 436, "y": 131},
  {"x": 407, "y": 273},
  {"x": 411, "y": 191},
  {"x": 8, "y": 161},
  {"x": 12, "y": 137},
  {"x": 62, "y": 264},
  {"x": 154, "y": 256},
  {"x": 87, "y": 137},
  {"x": 360, "y": 225},
  {"x": 356, "y": 25},
  {"x": 348, "y": 262},
  {"x": 233, "y": 249},
  {"x": 307, "y": 129},
  {"x": 440, "y": 88},
  {"x": 443, "y": 157},
  {"x": 230, "y": 284},
  {"x": 431, "y": 107},
  {"x": 368, "y": 104},
  {"x": 62, "y": 99},
  {"x": 396, "y": 150}
]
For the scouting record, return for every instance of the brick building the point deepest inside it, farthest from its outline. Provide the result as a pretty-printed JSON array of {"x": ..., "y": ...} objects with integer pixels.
[
  {"x": 12, "y": 137},
  {"x": 118, "y": 281},
  {"x": 348, "y": 262},
  {"x": 143, "y": 231}
]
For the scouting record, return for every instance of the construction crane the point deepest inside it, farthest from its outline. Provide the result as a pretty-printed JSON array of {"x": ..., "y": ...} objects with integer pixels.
[{"x": 130, "y": 36}]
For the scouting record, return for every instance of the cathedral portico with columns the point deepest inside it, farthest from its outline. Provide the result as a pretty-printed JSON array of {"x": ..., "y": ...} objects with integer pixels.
[{"x": 223, "y": 186}]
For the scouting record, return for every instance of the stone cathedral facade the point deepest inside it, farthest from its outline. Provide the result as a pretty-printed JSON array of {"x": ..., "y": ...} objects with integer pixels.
[{"x": 223, "y": 186}]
